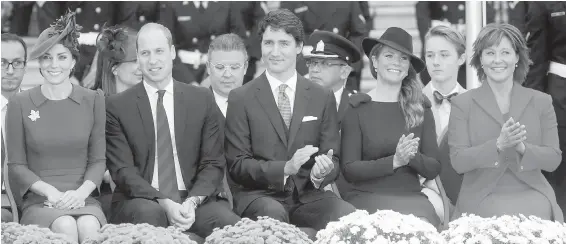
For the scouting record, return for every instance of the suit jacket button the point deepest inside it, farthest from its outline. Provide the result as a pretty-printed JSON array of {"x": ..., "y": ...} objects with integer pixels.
[{"x": 195, "y": 40}]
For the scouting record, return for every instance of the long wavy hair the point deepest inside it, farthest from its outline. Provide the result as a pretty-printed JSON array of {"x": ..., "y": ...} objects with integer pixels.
[
  {"x": 411, "y": 96},
  {"x": 112, "y": 47}
]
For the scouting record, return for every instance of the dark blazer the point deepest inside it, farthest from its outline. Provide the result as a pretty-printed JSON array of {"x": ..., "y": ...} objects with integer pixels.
[
  {"x": 257, "y": 146},
  {"x": 130, "y": 138},
  {"x": 343, "y": 106},
  {"x": 475, "y": 124}
]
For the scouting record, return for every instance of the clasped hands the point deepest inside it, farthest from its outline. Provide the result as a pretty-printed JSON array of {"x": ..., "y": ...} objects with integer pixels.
[
  {"x": 406, "y": 150},
  {"x": 512, "y": 135},
  {"x": 323, "y": 163},
  {"x": 180, "y": 215},
  {"x": 72, "y": 199}
]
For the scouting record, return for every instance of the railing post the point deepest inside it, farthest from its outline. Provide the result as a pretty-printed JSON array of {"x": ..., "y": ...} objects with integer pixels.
[{"x": 475, "y": 20}]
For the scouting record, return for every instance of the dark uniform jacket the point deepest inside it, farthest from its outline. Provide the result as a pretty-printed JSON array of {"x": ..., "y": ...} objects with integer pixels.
[{"x": 546, "y": 39}]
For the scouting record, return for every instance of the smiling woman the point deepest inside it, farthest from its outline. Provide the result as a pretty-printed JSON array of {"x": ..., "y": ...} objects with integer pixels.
[{"x": 55, "y": 135}]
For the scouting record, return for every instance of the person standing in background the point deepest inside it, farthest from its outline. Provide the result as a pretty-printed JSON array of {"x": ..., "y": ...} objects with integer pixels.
[
  {"x": 194, "y": 25},
  {"x": 546, "y": 39}
]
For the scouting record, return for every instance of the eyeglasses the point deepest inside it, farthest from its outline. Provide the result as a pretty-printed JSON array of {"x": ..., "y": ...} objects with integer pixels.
[
  {"x": 16, "y": 64},
  {"x": 322, "y": 64},
  {"x": 223, "y": 67}
]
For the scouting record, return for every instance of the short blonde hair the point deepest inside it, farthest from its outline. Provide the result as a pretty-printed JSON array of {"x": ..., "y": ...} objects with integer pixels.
[
  {"x": 492, "y": 34},
  {"x": 450, "y": 34}
]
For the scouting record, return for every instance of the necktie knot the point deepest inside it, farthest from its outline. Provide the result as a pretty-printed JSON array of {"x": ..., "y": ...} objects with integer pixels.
[
  {"x": 282, "y": 88},
  {"x": 438, "y": 98}
]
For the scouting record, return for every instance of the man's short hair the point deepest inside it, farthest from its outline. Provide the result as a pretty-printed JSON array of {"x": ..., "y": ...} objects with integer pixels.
[
  {"x": 164, "y": 29},
  {"x": 285, "y": 20},
  {"x": 227, "y": 42},
  {"x": 9, "y": 37}
]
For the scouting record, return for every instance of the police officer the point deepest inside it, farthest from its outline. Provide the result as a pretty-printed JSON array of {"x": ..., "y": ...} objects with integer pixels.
[
  {"x": 546, "y": 38},
  {"x": 329, "y": 64},
  {"x": 343, "y": 18},
  {"x": 252, "y": 12},
  {"x": 193, "y": 25},
  {"x": 135, "y": 14}
]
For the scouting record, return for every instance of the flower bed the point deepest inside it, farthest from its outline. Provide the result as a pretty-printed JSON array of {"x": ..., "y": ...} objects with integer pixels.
[
  {"x": 472, "y": 229},
  {"x": 31, "y": 234},
  {"x": 264, "y": 230},
  {"x": 384, "y": 226},
  {"x": 139, "y": 234}
]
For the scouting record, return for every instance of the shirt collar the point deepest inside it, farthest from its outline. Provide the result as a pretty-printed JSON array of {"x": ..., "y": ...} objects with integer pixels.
[
  {"x": 151, "y": 91},
  {"x": 218, "y": 97},
  {"x": 338, "y": 94},
  {"x": 456, "y": 89},
  {"x": 37, "y": 97},
  {"x": 275, "y": 83}
]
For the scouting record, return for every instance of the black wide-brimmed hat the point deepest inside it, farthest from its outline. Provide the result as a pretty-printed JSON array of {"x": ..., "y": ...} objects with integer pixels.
[
  {"x": 331, "y": 45},
  {"x": 397, "y": 39},
  {"x": 65, "y": 27}
]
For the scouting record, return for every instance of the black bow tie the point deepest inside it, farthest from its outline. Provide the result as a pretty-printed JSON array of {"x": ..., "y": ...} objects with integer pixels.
[{"x": 439, "y": 97}]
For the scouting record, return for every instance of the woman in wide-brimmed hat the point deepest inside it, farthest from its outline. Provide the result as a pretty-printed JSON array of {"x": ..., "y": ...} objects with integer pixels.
[
  {"x": 56, "y": 140},
  {"x": 117, "y": 60},
  {"x": 388, "y": 135}
]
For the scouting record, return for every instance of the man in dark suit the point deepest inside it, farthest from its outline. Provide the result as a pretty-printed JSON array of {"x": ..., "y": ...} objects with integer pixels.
[
  {"x": 194, "y": 24},
  {"x": 282, "y": 136},
  {"x": 546, "y": 36},
  {"x": 164, "y": 146}
]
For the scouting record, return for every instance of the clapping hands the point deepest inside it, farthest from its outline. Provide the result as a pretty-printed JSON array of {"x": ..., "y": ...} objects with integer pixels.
[
  {"x": 407, "y": 148},
  {"x": 512, "y": 135}
]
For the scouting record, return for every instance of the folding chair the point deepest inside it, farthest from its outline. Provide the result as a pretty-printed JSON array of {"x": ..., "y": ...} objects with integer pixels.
[{"x": 8, "y": 200}]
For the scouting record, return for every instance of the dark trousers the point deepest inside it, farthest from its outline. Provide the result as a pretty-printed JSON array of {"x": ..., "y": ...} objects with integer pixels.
[
  {"x": 557, "y": 90},
  {"x": 315, "y": 214},
  {"x": 211, "y": 214}
]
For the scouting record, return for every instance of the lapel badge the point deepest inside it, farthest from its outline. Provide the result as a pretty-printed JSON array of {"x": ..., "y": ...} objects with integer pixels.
[
  {"x": 320, "y": 46},
  {"x": 34, "y": 115}
]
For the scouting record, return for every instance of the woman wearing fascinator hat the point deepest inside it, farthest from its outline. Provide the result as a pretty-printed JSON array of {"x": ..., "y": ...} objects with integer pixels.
[
  {"x": 388, "y": 134},
  {"x": 55, "y": 135},
  {"x": 117, "y": 60}
]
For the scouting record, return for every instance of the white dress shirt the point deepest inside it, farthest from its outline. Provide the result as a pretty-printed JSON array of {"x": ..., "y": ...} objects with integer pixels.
[
  {"x": 168, "y": 104},
  {"x": 221, "y": 101},
  {"x": 198, "y": 3},
  {"x": 338, "y": 96},
  {"x": 441, "y": 111},
  {"x": 290, "y": 91},
  {"x": 4, "y": 108}
]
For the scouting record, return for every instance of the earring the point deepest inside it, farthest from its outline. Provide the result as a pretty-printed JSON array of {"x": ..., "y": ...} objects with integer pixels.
[
  {"x": 482, "y": 66},
  {"x": 516, "y": 65}
]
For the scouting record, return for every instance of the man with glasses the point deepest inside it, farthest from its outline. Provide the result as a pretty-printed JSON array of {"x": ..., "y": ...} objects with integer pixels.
[
  {"x": 14, "y": 53},
  {"x": 330, "y": 63},
  {"x": 226, "y": 67}
]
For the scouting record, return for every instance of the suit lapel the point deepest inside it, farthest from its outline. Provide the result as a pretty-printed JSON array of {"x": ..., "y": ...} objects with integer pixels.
[
  {"x": 486, "y": 100},
  {"x": 343, "y": 104},
  {"x": 180, "y": 110},
  {"x": 299, "y": 108},
  {"x": 144, "y": 109},
  {"x": 267, "y": 102},
  {"x": 520, "y": 98}
]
